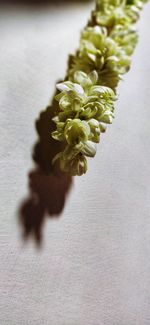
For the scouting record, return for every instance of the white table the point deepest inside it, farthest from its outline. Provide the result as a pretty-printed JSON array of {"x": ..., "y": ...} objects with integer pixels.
[{"x": 93, "y": 267}]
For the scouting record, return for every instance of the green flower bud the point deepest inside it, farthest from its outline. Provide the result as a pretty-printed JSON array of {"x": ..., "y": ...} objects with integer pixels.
[
  {"x": 76, "y": 131},
  {"x": 78, "y": 166},
  {"x": 95, "y": 130},
  {"x": 86, "y": 80},
  {"x": 59, "y": 133},
  {"x": 125, "y": 37},
  {"x": 89, "y": 149},
  {"x": 107, "y": 117},
  {"x": 102, "y": 127}
]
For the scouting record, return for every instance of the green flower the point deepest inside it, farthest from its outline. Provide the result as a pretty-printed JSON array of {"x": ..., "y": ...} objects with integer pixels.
[
  {"x": 86, "y": 80},
  {"x": 76, "y": 131},
  {"x": 94, "y": 130},
  {"x": 85, "y": 109},
  {"x": 59, "y": 133},
  {"x": 111, "y": 13},
  {"x": 72, "y": 160},
  {"x": 126, "y": 38},
  {"x": 111, "y": 16},
  {"x": 133, "y": 8},
  {"x": 76, "y": 166},
  {"x": 82, "y": 101},
  {"x": 101, "y": 53}
]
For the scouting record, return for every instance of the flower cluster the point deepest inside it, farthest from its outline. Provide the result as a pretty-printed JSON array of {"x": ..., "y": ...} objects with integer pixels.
[
  {"x": 85, "y": 109},
  {"x": 110, "y": 13},
  {"x": 86, "y": 98},
  {"x": 107, "y": 54}
]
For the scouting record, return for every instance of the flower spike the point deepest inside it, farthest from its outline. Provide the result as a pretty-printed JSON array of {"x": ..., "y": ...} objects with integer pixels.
[{"x": 86, "y": 97}]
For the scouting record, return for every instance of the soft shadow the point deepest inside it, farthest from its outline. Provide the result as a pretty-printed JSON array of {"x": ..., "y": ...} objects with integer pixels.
[{"x": 48, "y": 186}]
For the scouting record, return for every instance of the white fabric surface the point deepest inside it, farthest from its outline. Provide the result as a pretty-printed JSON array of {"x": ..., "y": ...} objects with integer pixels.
[{"x": 93, "y": 267}]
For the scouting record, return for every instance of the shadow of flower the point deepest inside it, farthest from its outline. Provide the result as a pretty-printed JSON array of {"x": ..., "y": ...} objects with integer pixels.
[{"x": 48, "y": 186}]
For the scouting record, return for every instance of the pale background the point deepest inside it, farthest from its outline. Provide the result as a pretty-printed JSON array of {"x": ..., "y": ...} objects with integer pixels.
[{"x": 93, "y": 266}]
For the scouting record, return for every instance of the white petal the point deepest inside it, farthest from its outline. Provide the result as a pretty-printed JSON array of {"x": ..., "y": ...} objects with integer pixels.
[{"x": 78, "y": 89}]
